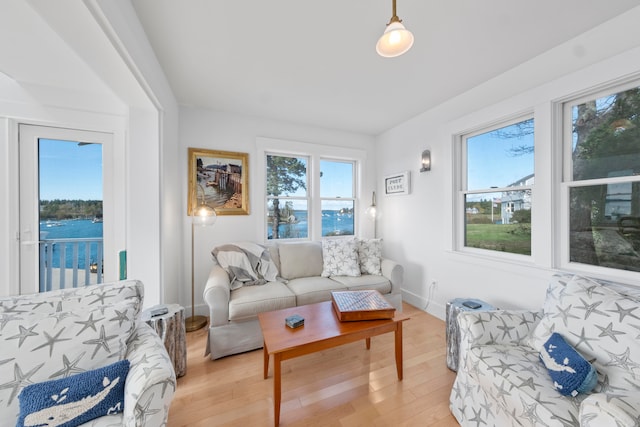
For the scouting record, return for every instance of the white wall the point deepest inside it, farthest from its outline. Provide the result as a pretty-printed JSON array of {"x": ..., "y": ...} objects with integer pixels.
[
  {"x": 418, "y": 228},
  {"x": 107, "y": 80},
  {"x": 215, "y": 130}
]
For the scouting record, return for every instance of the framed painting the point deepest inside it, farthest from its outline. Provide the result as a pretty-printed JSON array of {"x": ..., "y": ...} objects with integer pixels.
[
  {"x": 397, "y": 184},
  {"x": 221, "y": 179}
]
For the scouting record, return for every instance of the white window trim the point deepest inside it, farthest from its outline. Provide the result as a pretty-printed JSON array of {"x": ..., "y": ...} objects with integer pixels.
[
  {"x": 460, "y": 159},
  {"x": 565, "y": 182},
  {"x": 315, "y": 152}
]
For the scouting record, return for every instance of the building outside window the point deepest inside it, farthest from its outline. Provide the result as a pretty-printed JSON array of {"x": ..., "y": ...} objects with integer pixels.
[
  {"x": 294, "y": 208},
  {"x": 496, "y": 184},
  {"x": 601, "y": 179}
]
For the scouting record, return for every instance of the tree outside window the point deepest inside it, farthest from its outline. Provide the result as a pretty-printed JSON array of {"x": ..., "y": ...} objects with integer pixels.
[
  {"x": 287, "y": 201},
  {"x": 604, "y": 180}
]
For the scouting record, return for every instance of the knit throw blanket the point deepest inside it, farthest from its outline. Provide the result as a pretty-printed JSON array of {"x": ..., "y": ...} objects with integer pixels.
[{"x": 246, "y": 263}]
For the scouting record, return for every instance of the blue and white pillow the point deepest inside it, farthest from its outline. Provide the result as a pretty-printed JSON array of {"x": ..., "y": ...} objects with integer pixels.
[
  {"x": 74, "y": 400},
  {"x": 570, "y": 372}
]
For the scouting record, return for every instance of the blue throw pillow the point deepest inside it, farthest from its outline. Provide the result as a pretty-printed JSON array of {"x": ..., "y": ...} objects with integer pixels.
[
  {"x": 74, "y": 400},
  {"x": 570, "y": 372}
]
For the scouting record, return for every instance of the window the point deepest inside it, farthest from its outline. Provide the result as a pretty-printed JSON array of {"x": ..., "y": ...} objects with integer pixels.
[
  {"x": 287, "y": 197},
  {"x": 311, "y": 190},
  {"x": 337, "y": 197},
  {"x": 602, "y": 178},
  {"x": 496, "y": 185}
]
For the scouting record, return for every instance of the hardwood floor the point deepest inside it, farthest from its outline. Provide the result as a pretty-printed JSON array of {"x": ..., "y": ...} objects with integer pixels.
[{"x": 344, "y": 386}]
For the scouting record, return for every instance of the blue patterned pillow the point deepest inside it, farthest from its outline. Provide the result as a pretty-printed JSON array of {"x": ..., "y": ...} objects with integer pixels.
[
  {"x": 570, "y": 372},
  {"x": 74, "y": 400}
]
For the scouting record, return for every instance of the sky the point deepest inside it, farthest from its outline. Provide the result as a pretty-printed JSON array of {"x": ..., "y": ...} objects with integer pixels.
[
  {"x": 491, "y": 161},
  {"x": 69, "y": 171},
  {"x": 73, "y": 172}
]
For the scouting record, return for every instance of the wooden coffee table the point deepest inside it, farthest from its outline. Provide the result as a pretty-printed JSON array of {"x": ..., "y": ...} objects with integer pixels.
[{"x": 321, "y": 330}]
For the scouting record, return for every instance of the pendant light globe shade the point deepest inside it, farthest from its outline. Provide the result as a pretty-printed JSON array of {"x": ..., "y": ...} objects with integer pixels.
[
  {"x": 395, "y": 41},
  {"x": 204, "y": 215}
]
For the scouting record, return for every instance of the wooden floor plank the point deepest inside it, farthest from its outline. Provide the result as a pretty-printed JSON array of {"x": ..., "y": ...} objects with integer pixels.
[{"x": 346, "y": 386}]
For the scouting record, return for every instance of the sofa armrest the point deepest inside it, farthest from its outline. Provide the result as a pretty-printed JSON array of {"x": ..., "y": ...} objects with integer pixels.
[
  {"x": 617, "y": 410},
  {"x": 151, "y": 382},
  {"x": 506, "y": 327},
  {"x": 394, "y": 272},
  {"x": 217, "y": 293}
]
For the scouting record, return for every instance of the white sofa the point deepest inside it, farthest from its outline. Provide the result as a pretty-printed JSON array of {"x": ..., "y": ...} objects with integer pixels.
[
  {"x": 52, "y": 335},
  {"x": 502, "y": 382},
  {"x": 234, "y": 326}
]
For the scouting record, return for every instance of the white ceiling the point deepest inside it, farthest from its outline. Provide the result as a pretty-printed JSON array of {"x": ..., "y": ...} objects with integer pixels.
[{"x": 315, "y": 63}]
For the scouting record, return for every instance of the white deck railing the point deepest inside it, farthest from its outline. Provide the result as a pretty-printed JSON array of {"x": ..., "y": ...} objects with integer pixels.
[{"x": 70, "y": 277}]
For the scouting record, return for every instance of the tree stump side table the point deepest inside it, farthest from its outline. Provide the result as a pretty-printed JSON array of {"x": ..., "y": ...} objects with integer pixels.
[
  {"x": 170, "y": 328},
  {"x": 455, "y": 307}
]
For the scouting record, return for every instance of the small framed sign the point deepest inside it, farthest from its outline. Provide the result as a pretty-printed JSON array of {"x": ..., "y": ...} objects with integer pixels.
[{"x": 397, "y": 184}]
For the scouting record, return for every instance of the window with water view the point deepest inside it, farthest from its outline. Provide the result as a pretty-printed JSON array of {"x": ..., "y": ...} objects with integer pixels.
[
  {"x": 71, "y": 234},
  {"x": 288, "y": 197}
]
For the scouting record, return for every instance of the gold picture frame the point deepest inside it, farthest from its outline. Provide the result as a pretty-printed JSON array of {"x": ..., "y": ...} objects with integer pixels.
[{"x": 222, "y": 178}]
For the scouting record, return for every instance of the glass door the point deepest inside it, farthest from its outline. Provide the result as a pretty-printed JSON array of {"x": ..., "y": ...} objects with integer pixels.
[{"x": 62, "y": 221}]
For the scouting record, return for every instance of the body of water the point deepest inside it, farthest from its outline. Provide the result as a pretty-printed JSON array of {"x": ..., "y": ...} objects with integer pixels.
[
  {"x": 72, "y": 229},
  {"x": 334, "y": 223}
]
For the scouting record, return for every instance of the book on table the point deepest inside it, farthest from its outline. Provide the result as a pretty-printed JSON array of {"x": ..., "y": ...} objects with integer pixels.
[{"x": 361, "y": 305}]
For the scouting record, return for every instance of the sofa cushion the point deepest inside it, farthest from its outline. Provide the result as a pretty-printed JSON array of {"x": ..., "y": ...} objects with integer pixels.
[
  {"x": 603, "y": 325},
  {"x": 74, "y": 400},
  {"x": 520, "y": 384},
  {"x": 365, "y": 282},
  {"x": 36, "y": 347},
  {"x": 300, "y": 259},
  {"x": 340, "y": 257},
  {"x": 370, "y": 256},
  {"x": 247, "y": 302},
  {"x": 310, "y": 290}
]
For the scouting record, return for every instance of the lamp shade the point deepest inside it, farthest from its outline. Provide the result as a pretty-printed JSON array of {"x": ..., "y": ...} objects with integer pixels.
[
  {"x": 204, "y": 215},
  {"x": 395, "y": 41}
]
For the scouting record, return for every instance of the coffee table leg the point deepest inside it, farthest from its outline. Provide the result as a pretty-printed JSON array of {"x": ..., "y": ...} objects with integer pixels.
[
  {"x": 276, "y": 388},
  {"x": 265, "y": 354},
  {"x": 398, "y": 335},
  {"x": 368, "y": 341}
]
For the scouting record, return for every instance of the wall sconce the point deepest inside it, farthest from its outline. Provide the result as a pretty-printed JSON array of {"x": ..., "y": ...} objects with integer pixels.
[{"x": 426, "y": 161}]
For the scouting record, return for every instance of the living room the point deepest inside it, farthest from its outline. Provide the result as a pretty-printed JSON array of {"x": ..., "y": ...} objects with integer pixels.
[{"x": 101, "y": 73}]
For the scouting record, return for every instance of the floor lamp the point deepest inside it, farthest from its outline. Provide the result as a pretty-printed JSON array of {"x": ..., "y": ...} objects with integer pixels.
[{"x": 203, "y": 216}]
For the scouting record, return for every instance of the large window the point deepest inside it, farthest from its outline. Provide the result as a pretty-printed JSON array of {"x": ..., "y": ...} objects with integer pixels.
[
  {"x": 295, "y": 208},
  {"x": 497, "y": 180},
  {"x": 602, "y": 179}
]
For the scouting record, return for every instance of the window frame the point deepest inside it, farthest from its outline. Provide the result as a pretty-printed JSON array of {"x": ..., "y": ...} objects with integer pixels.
[
  {"x": 461, "y": 155},
  {"x": 566, "y": 182},
  {"x": 315, "y": 153}
]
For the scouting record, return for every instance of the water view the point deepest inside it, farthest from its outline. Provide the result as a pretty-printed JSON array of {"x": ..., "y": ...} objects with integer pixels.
[
  {"x": 334, "y": 223},
  {"x": 72, "y": 229}
]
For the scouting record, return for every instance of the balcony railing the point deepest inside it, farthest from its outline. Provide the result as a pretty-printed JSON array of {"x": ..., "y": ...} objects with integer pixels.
[{"x": 70, "y": 263}]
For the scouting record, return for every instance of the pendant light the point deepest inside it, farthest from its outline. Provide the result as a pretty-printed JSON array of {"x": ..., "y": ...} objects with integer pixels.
[{"x": 396, "y": 39}]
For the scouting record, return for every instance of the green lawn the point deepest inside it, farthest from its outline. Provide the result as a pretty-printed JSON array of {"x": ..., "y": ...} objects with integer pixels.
[{"x": 513, "y": 238}]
